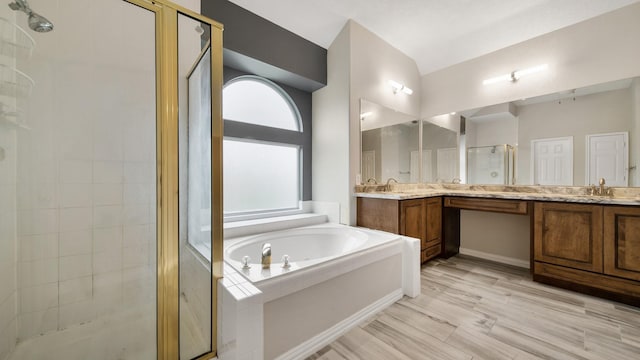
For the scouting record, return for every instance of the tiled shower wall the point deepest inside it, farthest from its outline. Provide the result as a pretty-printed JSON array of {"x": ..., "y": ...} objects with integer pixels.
[
  {"x": 8, "y": 244},
  {"x": 86, "y": 170},
  {"x": 8, "y": 296}
]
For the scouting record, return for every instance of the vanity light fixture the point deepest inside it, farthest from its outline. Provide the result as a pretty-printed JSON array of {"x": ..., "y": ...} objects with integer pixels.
[
  {"x": 396, "y": 86},
  {"x": 365, "y": 114},
  {"x": 515, "y": 75}
]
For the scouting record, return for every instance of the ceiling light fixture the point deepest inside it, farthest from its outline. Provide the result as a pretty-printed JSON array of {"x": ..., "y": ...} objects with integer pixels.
[
  {"x": 515, "y": 75},
  {"x": 396, "y": 86}
]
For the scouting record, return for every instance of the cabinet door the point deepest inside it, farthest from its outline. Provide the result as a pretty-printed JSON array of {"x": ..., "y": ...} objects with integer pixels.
[
  {"x": 434, "y": 221},
  {"x": 622, "y": 242},
  {"x": 412, "y": 219},
  {"x": 568, "y": 235}
]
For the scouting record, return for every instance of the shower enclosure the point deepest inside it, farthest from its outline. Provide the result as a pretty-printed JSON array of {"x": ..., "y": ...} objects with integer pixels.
[
  {"x": 97, "y": 179},
  {"x": 491, "y": 164}
]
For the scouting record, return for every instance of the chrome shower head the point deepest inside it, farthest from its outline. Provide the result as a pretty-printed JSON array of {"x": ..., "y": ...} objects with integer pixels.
[{"x": 37, "y": 22}]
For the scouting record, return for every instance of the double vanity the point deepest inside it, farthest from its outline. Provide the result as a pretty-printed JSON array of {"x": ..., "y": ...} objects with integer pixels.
[{"x": 579, "y": 241}]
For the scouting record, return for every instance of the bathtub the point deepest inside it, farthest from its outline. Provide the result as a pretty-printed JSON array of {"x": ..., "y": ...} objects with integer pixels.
[{"x": 338, "y": 277}]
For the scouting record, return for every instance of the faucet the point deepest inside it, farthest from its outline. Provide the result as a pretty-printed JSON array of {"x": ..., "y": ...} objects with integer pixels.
[
  {"x": 601, "y": 190},
  {"x": 387, "y": 186},
  {"x": 266, "y": 255},
  {"x": 372, "y": 179}
]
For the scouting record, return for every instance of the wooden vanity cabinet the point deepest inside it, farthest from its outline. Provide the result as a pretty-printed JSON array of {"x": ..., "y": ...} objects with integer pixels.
[
  {"x": 589, "y": 248},
  {"x": 418, "y": 218},
  {"x": 568, "y": 235},
  {"x": 622, "y": 242}
]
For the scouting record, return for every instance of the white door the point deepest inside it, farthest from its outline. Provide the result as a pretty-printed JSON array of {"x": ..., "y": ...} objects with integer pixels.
[
  {"x": 552, "y": 161},
  {"x": 369, "y": 165},
  {"x": 446, "y": 164},
  {"x": 427, "y": 171},
  {"x": 607, "y": 157}
]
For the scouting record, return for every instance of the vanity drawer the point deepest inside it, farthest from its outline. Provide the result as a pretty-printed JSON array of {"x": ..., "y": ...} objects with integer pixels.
[
  {"x": 494, "y": 205},
  {"x": 430, "y": 253}
]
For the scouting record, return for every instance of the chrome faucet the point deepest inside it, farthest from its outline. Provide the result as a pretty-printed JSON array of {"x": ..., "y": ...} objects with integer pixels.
[
  {"x": 387, "y": 186},
  {"x": 375, "y": 182},
  {"x": 266, "y": 255}
]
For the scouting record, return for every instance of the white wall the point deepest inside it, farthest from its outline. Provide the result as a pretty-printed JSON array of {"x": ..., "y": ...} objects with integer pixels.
[
  {"x": 598, "y": 50},
  {"x": 330, "y": 130},
  {"x": 634, "y": 149},
  {"x": 360, "y": 64},
  {"x": 606, "y": 112}
]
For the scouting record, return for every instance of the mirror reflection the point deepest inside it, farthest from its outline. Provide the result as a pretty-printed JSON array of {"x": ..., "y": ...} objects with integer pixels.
[
  {"x": 390, "y": 145},
  {"x": 574, "y": 137}
]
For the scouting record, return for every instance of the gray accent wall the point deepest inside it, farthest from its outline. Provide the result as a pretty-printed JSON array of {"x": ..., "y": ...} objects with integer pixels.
[{"x": 256, "y": 45}]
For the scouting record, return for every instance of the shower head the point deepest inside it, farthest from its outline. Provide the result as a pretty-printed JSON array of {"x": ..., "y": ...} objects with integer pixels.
[{"x": 37, "y": 22}]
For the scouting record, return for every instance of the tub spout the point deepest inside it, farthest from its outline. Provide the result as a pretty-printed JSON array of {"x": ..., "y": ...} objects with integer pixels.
[{"x": 266, "y": 255}]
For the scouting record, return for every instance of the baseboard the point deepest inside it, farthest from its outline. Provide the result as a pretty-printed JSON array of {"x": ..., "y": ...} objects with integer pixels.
[
  {"x": 497, "y": 258},
  {"x": 323, "y": 339}
]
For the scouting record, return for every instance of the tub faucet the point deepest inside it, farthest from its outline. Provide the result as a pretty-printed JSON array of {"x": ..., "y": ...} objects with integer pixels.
[{"x": 266, "y": 255}]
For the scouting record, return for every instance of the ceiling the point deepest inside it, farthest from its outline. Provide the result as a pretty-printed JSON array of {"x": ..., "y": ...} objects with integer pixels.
[{"x": 435, "y": 33}]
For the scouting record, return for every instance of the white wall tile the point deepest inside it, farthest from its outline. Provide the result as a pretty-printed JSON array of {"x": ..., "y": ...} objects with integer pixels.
[
  {"x": 107, "y": 194},
  {"x": 34, "y": 222},
  {"x": 75, "y": 195},
  {"x": 7, "y": 311},
  {"x": 8, "y": 337},
  {"x": 36, "y": 247},
  {"x": 108, "y": 139},
  {"x": 38, "y": 298},
  {"x": 75, "y": 219},
  {"x": 76, "y": 171},
  {"x": 135, "y": 256},
  {"x": 76, "y": 290},
  {"x": 107, "y": 261},
  {"x": 138, "y": 193},
  {"x": 136, "y": 235},
  {"x": 7, "y": 198},
  {"x": 8, "y": 280},
  {"x": 38, "y": 272},
  {"x": 108, "y": 172},
  {"x": 138, "y": 172},
  {"x": 76, "y": 242},
  {"x": 76, "y": 140},
  {"x": 136, "y": 215},
  {"x": 107, "y": 216},
  {"x": 106, "y": 239},
  {"x": 76, "y": 313},
  {"x": 35, "y": 323},
  {"x": 72, "y": 267}
]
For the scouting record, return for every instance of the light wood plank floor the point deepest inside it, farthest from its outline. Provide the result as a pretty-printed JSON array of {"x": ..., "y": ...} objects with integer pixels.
[{"x": 472, "y": 309}]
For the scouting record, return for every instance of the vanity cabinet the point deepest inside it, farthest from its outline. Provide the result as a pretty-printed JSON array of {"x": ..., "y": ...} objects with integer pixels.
[
  {"x": 418, "y": 218},
  {"x": 622, "y": 242},
  {"x": 589, "y": 248},
  {"x": 568, "y": 235}
]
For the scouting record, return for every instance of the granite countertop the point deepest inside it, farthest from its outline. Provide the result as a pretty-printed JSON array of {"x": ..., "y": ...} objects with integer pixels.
[{"x": 573, "y": 194}]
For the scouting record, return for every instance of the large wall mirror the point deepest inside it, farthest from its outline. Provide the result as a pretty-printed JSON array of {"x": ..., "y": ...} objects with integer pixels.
[
  {"x": 572, "y": 137},
  {"x": 400, "y": 146}
]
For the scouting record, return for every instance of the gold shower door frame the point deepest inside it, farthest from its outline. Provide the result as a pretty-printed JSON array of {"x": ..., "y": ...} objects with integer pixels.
[{"x": 168, "y": 290}]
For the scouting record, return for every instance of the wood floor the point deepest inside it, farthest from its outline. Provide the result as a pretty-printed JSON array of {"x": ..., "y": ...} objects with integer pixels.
[{"x": 471, "y": 309}]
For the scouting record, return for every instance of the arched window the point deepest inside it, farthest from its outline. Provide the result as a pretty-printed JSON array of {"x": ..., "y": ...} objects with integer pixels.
[
  {"x": 254, "y": 100},
  {"x": 262, "y": 158}
]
